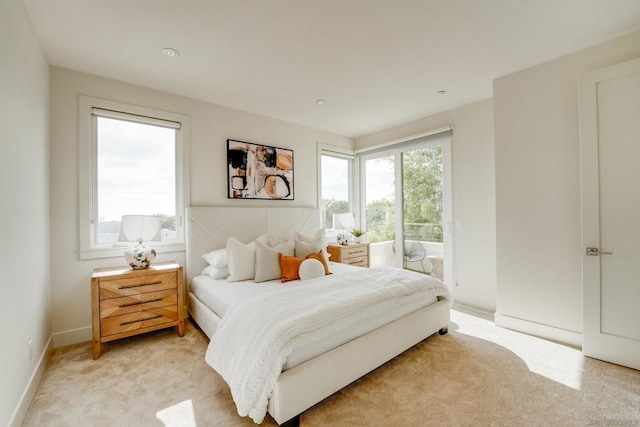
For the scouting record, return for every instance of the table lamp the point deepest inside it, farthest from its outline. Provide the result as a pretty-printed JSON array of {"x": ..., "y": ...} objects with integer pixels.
[
  {"x": 343, "y": 221},
  {"x": 139, "y": 228}
]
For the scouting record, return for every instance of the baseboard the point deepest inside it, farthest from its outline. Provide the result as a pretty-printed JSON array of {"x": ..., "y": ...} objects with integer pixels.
[
  {"x": 486, "y": 315},
  {"x": 539, "y": 330},
  {"x": 73, "y": 336},
  {"x": 30, "y": 391}
]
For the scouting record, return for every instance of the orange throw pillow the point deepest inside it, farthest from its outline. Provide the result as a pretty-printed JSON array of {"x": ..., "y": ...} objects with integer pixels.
[
  {"x": 289, "y": 266},
  {"x": 320, "y": 257}
]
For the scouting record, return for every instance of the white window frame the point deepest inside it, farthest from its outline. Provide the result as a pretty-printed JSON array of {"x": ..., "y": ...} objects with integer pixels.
[
  {"x": 87, "y": 186},
  {"x": 344, "y": 153}
]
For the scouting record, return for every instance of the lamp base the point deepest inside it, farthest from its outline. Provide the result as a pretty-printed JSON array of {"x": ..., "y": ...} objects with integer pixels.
[
  {"x": 139, "y": 257},
  {"x": 343, "y": 238}
]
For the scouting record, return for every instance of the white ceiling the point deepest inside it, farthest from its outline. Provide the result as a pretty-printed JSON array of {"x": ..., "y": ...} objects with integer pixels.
[{"x": 378, "y": 63}]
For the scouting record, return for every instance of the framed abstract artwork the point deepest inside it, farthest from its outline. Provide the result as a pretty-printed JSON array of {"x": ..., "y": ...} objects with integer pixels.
[{"x": 257, "y": 171}]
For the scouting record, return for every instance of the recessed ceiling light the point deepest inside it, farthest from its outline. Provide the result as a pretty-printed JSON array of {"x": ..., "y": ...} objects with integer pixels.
[
  {"x": 320, "y": 101},
  {"x": 170, "y": 52},
  {"x": 442, "y": 92}
]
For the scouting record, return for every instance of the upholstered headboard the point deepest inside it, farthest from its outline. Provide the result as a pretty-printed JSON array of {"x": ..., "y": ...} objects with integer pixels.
[{"x": 208, "y": 228}]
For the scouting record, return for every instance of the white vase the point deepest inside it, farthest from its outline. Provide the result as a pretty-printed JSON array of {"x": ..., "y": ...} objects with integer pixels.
[{"x": 357, "y": 239}]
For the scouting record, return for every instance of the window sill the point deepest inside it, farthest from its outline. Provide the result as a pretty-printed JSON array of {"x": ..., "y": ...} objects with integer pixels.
[{"x": 119, "y": 251}]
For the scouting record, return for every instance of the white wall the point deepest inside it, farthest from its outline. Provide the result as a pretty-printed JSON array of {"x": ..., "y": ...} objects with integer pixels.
[
  {"x": 537, "y": 159},
  {"x": 24, "y": 211},
  {"x": 211, "y": 125},
  {"x": 473, "y": 196}
]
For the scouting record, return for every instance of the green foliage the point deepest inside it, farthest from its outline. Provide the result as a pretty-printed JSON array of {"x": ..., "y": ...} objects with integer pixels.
[
  {"x": 330, "y": 207},
  {"x": 422, "y": 199},
  {"x": 167, "y": 222}
]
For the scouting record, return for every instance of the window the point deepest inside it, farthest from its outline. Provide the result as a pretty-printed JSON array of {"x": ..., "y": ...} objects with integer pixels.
[
  {"x": 406, "y": 197},
  {"x": 131, "y": 164},
  {"x": 335, "y": 183},
  {"x": 335, "y": 188}
]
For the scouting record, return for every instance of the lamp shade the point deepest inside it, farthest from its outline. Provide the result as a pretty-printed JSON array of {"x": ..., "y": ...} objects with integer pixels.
[
  {"x": 139, "y": 228},
  {"x": 343, "y": 221}
]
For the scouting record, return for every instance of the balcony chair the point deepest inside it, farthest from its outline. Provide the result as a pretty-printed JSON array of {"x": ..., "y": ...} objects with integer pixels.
[{"x": 413, "y": 252}]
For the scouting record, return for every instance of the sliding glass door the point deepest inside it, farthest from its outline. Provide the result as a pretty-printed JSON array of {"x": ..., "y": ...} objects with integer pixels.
[
  {"x": 379, "y": 197},
  {"x": 406, "y": 205}
]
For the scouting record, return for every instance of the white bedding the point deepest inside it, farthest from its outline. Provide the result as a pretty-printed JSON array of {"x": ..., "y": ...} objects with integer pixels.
[
  {"x": 261, "y": 328},
  {"x": 219, "y": 295}
]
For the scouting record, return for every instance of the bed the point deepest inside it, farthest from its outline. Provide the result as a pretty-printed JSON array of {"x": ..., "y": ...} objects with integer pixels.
[{"x": 371, "y": 341}]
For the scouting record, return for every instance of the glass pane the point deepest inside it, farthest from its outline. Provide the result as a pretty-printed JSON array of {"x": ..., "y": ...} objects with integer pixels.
[
  {"x": 335, "y": 188},
  {"x": 380, "y": 199},
  {"x": 136, "y": 172},
  {"x": 422, "y": 205}
]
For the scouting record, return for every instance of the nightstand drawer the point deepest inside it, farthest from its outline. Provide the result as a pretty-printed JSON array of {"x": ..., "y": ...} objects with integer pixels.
[
  {"x": 352, "y": 254},
  {"x": 359, "y": 251},
  {"x": 359, "y": 261},
  {"x": 135, "y": 303},
  {"x": 136, "y": 285},
  {"x": 133, "y": 321}
]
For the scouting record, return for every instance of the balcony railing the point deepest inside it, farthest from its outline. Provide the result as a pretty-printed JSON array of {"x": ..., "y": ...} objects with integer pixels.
[{"x": 424, "y": 232}]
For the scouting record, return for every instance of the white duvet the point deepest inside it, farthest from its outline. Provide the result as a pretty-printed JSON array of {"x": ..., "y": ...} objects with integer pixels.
[{"x": 255, "y": 336}]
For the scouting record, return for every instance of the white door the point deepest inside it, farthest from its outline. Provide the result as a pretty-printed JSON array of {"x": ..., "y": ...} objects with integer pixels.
[{"x": 610, "y": 162}]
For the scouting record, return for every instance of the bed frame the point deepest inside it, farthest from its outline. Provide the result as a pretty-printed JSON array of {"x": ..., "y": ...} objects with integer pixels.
[{"x": 302, "y": 386}]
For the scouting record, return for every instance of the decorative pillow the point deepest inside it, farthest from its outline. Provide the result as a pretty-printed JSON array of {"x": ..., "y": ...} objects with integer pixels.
[
  {"x": 320, "y": 257},
  {"x": 318, "y": 241},
  {"x": 289, "y": 266},
  {"x": 310, "y": 269},
  {"x": 217, "y": 258},
  {"x": 270, "y": 240},
  {"x": 242, "y": 260},
  {"x": 302, "y": 249},
  {"x": 216, "y": 273},
  {"x": 267, "y": 263}
]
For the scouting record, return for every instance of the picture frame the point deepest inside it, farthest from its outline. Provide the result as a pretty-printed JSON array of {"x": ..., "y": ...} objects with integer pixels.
[{"x": 256, "y": 171}]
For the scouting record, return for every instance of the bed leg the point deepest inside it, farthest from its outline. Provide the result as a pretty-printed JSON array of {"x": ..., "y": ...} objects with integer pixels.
[
  {"x": 293, "y": 422},
  {"x": 444, "y": 330}
]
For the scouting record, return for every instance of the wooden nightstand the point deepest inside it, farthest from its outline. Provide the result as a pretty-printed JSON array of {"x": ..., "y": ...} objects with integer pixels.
[
  {"x": 353, "y": 254},
  {"x": 126, "y": 302}
]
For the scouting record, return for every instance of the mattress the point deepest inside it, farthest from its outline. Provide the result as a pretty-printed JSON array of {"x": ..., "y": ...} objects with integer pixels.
[{"x": 219, "y": 295}]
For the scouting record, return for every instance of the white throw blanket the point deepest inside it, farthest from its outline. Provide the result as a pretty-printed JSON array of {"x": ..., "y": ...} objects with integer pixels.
[{"x": 255, "y": 336}]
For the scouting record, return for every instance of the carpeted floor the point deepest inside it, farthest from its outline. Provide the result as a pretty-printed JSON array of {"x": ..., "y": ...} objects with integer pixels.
[{"x": 477, "y": 375}]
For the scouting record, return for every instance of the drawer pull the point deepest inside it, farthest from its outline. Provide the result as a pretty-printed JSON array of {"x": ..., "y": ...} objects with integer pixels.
[
  {"x": 139, "y": 302},
  {"x": 356, "y": 252},
  {"x": 140, "y": 320},
  {"x": 137, "y": 286}
]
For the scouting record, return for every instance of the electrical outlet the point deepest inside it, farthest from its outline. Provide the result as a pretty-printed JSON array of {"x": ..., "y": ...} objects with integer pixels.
[{"x": 30, "y": 350}]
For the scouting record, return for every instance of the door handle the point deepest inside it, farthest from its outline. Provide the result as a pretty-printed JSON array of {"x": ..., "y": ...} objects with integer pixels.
[{"x": 596, "y": 252}]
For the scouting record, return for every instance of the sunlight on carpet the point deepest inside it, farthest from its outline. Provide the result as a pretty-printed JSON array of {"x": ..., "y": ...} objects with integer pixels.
[
  {"x": 179, "y": 415},
  {"x": 565, "y": 367}
]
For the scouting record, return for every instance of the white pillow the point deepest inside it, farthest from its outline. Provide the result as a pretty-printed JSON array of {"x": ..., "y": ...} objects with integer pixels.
[
  {"x": 270, "y": 241},
  {"x": 303, "y": 249},
  {"x": 217, "y": 258},
  {"x": 310, "y": 269},
  {"x": 318, "y": 241},
  {"x": 216, "y": 273},
  {"x": 242, "y": 260},
  {"x": 267, "y": 264}
]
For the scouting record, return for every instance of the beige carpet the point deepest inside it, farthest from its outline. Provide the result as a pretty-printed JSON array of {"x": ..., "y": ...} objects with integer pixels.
[{"x": 477, "y": 375}]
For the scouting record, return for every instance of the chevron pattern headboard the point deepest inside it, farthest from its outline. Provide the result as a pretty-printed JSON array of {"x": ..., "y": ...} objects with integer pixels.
[{"x": 209, "y": 228}]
